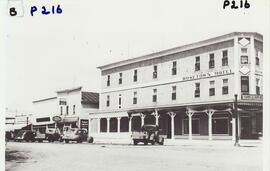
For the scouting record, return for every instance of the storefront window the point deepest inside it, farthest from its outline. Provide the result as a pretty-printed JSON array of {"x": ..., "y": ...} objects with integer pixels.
[
  {"x": 245, "y": 84},
  {"x": 220, "y": 126},
  {"x": 195, "y": 126}
]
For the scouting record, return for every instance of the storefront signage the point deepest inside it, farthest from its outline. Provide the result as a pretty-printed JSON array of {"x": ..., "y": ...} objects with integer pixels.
[
  {"x": 56, "y": 118},
  {"x": 84, "y": 123},
  {"x": 208, "y": 74},
  {"x": 252, "y": 97}
]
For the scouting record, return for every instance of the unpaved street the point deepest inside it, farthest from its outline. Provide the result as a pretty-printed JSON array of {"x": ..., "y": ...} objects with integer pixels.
[{"x": 93, "y": 157}]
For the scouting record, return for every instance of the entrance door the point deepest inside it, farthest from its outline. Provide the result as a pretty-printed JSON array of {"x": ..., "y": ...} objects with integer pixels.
[
  {"x": 246, "y": 129},
  {"x": 169, "y": 128}
]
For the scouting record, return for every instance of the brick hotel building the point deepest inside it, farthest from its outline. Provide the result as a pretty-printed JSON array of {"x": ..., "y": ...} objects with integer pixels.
[{"x": 188, "y": 90}]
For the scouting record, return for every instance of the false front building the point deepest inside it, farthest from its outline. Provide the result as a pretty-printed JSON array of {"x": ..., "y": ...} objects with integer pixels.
[{"x": 189, "y": 91}]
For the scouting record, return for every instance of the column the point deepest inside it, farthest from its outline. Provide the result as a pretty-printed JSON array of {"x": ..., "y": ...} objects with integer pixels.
[
  {"x": 118, "y": 124},
  {"x": 130, "y": 124},
  {"x": 252, "y": 59},
  {"x": 172, "y": 114},
  {"x": 190, "y": 113},
  {"x": 108, "y": 125},
  {"x": 156, "y": 116},
  {"x": 236, "y": 66},
  {"x": 233, "y": 128},
  {"x": 210, "y": 113},
  {"x": 98, "y": 125},
  {"x": 142, "y": 119}
]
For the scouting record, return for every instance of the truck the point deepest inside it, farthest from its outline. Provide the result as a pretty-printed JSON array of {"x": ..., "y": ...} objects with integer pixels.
[
  {"x": 148, "y": 134},
  {"x": 51, "y": 135}
]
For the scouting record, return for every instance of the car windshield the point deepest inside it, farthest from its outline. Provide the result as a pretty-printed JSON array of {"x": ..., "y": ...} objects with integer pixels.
[{"x": 149, "y": 128}]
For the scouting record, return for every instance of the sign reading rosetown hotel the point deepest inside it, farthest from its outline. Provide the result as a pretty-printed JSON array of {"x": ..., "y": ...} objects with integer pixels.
[{"x": 208, "y": 75}]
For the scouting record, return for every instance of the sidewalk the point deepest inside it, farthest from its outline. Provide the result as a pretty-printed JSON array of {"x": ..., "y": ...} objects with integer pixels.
[{"x": 182, "y": 142}]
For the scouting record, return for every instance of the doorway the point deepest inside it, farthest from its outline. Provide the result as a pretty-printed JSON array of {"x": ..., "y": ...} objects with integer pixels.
[{"x": 246, "y": 128}]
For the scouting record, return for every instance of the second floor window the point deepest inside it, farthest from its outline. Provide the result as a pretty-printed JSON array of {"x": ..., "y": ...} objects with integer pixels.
[
  {"x": 135, "y": 76},
  {"x": 173, "y": 92},
  {"x": 120, "y": 101},
  {"x": 67, "y": 109},
  {"x": 135, "y": 97},
  {"x": 174, "y": 68},
  {"x": 211, "y": 60},
  {"x": 108, "y": 101},
  {"x": 212, "y": 88},
  {"x": 225, "y": 58},
  {"x": 225, "y": 87},
  {"x": 244, "y": 59},
  {"x": 257, "y": 57},
  {"x": 257, "y": 86},
  {"x": 245, "y": 84},
  {"x": 197, "y": 63},
  {"x": 155, "y": 71},
  {"x": 61, "y": 110},
  {"x": 154, "y": 95},
  {"x": 108, "y": 80},
  {"x": 197, "y": 90},
  {"x": 120, "y": 78},
  {"x": 74, "y": 109}
]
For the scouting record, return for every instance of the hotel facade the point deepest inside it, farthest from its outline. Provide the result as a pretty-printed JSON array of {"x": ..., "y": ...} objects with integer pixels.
[{"x": 189, "y": 91}]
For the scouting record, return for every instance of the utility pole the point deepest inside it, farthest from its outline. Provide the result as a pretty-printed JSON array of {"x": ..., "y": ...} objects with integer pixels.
[{"x": 236, "y": 122}]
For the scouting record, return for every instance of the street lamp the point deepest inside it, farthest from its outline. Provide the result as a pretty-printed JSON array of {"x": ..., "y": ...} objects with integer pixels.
[{"x": 236, "y": 121}]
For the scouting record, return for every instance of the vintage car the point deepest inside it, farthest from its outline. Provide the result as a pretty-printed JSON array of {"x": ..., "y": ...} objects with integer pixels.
[
  {"x": 25, "y": 135},
  {"x": 51, "y": 135},
  {"x": 76, "y": 134},
  {"x": 148, "y": 134}
]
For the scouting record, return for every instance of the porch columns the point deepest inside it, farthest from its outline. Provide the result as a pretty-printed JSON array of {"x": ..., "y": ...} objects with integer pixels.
[
  {"x": 172, "y": 114},
  {"x": 210, "y": 113},
  {"x": 108, "y": 125},
  {"x": 156, "y": 116},
  {"x": 130, "y": 124},
  {"x": 190, "y": 114},
  {"x": 98, "y": 125},
  {"x": 142, "y": 119},
  {"x": 118, "y": 124}
]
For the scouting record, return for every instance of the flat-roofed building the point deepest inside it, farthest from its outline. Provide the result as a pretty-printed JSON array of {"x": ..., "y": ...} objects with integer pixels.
[{"x": 189, "y": 91}]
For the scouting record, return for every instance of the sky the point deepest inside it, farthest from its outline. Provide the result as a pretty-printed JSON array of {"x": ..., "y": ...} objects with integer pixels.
[{"x": 46, "y": 53}]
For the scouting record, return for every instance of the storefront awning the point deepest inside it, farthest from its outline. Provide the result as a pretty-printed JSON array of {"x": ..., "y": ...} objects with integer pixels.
[{"x": 69, "y": 119}]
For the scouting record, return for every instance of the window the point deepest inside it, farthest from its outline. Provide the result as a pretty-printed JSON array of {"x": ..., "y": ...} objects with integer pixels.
[
  {"x": 244, "y": 59},
  {"x": 212, "y": 88},
  {"x": 120, "y": 77},
  {"x": 74, "y": 109},
  {"x": 154, "y": 95},
  {"x": 257, "y": 57},
  {"x": 108, "y": 101},
  {"x": 225, "y": 58},
  {"x": 245, "y": 84},
  {"x": 120, "y": 101},
  {"x": 225, "y": 88},
  {"x": 195, "y": 126},
  {"x": 173, "y": 92},
  {"x": 211, "y": 61},
  {"x": 197, "y": 63},
  {"x": 135, "y": 75},
  {"x": 108, "y": 80},
  {"x": 174, "y": 68},
  {"x": 220, "y": 126},
  {"x": 197, "y": 89},
  {"x": 135, "y": 97},
  {"x": 62, "y": 101},
  {"x": 67, "y": 110},
  {"x": 61, "y": 110},
  {"x": 155, "y": 71},
  {"x": 257, "y": 86}
]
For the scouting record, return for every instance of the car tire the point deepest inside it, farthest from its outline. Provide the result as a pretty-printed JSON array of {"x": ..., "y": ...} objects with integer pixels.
[
  {"x": 145, "y": 142},
  {"x": 135, "y": 142},
  {"x": 66, "y": 141},
  {"x": 90, "y": 140},
  {"x": 79, "y": 141},
  {"x": 153, "y": 142}
]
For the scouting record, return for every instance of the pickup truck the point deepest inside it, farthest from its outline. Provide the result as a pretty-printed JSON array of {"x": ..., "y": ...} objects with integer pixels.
[{"x": 148, "y": 134}]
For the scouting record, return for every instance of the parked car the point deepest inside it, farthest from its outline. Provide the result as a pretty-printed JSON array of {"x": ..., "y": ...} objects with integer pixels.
[
  {"x": 148, "y": 134},
  {"x": 76, "y": 134},
  {"x": 25, "y": 135},
  {"x": 9, "y": 135},
  {"x": 51, "y": 135}
]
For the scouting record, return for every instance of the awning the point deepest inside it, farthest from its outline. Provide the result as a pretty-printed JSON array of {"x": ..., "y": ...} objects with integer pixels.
[{"x": 69, "y": 119}]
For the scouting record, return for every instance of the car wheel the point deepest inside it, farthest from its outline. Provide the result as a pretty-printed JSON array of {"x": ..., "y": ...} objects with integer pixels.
[
  {"x": 79, "y": 141},
  {"x": 61, "y": 140},
  {"x": 40, "y": 141},
  {"x": 135, "y": 142},
  {"x": 66, "y": 141},
  {"x": 90, "y": 139},
  {"x": 153, "y": 142},
  {"x": 145, "y": 142}
]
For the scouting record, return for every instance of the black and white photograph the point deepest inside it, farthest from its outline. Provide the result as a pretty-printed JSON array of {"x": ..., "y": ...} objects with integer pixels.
[{"x": 134, "y": 85}]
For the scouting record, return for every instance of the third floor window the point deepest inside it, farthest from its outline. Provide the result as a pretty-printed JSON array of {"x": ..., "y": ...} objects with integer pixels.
[
  {"x": 225, "y": 58},
  {"x": 155, "y": 71},
  {"x": 154, "y": 95},
  {"x": 135, "y": 75},
  {"x": 108, "y": 80},
  {"x": 211, "y": 60},
  {"x": 197, "y": 63},
  {"x": 120, "y": 78},
  {"x": 174, "y": 68}
]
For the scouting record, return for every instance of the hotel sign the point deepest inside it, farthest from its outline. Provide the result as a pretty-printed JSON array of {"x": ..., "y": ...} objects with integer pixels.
[
  {"x": 208, "y": 75},
  {"x": 252, "y": 97}
]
